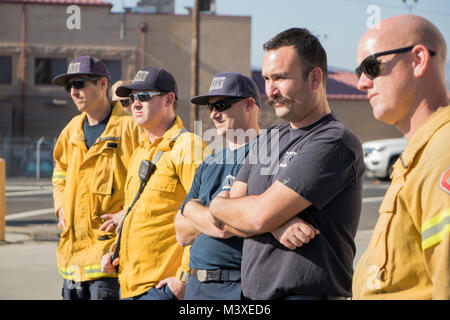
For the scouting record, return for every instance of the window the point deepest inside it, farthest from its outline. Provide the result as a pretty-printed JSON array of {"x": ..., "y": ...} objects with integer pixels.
[
  {"x": 48, "y": 68},
  {"x": 115, "y": 70},
  {"x": 5, "y": 66}
]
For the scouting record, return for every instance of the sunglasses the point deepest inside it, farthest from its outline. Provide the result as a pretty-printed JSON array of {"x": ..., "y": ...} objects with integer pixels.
[
  {"x": 223, "y": 104},
  {"x": 372, "y": 67},
  {"x": 79, "y": 83},
  {"x": 125, "y": 102},
  {"x": 144, "y": 96}
]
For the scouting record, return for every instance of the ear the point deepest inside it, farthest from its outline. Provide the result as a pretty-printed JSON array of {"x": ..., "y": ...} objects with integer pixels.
[
  {"x": 104, "y": 85},
  {"x": 104, "y": 82},
  {"x": 251, "y": 103},
  {"x": 421, "y": 59},
  {"x": 315, "y": 78},
  {"x": 170, "y": 98}
]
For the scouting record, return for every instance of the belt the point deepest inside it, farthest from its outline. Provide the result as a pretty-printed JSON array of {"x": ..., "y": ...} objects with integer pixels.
[{"x": 216, "y": 275}]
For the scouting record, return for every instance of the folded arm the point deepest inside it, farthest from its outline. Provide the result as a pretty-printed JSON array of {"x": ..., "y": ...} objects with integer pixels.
[{"x": 256, "y": 214}]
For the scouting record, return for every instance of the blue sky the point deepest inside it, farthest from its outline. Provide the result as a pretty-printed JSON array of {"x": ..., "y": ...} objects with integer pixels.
[{"x": 338, "y": 23}]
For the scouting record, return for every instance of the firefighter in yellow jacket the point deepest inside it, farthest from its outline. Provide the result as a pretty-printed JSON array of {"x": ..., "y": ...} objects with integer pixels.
[
  {"x": 91, "y": 158},
  {"x": 151, "y": 262},
  {"x": 402, "y": 70}
]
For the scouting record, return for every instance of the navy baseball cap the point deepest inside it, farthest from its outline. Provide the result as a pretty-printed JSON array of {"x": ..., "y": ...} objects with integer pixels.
[
  {"x": 84, "y": 65},
  {"x": 150, "y": 78},
  {"x": 230, "y": 84}
]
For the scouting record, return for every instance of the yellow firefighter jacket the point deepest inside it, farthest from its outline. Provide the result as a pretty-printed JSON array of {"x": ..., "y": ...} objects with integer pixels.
[
  {"x": 149, "y": 251},
  {"x": 88, "y": 184},
  {"x": 408, "y": 255}
]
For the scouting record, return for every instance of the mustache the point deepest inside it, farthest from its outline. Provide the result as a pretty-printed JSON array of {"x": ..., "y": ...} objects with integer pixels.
[{"x": 279, "y": 100}]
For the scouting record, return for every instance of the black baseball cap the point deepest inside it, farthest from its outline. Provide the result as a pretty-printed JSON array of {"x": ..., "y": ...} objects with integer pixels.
[
  {"x": 230, "y": 84},
  {"x": 84, "y": 65},
  {"x": 150, "y": 78}
]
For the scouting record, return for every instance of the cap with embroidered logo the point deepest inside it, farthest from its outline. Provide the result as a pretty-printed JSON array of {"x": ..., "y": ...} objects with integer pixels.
[
  {"x": 150, "y": 78},
  {"x": 84, "y": 65},
  {"x": 230, "y": 84}
]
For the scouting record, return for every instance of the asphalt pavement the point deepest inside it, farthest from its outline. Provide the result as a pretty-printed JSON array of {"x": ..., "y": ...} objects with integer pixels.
[{"x": 28, "y": 256}]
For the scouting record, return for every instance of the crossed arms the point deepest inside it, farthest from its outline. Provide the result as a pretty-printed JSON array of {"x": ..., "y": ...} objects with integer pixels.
[{"x": 235, "y": 213}]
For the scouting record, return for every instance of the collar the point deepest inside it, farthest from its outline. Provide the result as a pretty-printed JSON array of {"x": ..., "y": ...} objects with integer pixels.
[
  {"x": 111, "y": 131},
  {"x": 165, "y": 143},
  {"x": 424, "y": 134}
]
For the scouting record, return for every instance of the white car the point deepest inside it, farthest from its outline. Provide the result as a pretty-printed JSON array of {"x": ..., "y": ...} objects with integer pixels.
[{"x": 380, "y": 155}]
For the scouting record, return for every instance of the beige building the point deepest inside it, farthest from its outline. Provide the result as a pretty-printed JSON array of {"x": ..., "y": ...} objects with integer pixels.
[{"x": 39, "y": 38}]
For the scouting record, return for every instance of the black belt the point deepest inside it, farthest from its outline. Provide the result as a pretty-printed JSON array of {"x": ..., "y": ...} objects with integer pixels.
[{"x": 216, "y": 275}]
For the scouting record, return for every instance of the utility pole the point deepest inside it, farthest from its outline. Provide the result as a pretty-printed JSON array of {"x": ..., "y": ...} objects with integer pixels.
[{"x": 195, "y": 60}]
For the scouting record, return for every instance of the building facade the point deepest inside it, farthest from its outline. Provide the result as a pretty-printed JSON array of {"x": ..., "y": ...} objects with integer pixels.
[{"x": 39, "y": 38}]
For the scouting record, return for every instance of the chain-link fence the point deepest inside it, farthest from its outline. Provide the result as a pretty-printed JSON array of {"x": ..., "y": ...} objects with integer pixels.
[{"x": 28, "y": 157}]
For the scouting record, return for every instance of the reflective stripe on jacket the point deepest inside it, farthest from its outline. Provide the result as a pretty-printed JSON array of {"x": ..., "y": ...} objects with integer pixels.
[
  {"x": 409, "y": 254},
  {"x": 88, "y": 184}
]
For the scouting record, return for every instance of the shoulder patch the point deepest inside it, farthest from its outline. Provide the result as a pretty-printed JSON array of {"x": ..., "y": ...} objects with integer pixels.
[
  {"x": 228, "y": 182},
  {"x": 444, "y": 181}
]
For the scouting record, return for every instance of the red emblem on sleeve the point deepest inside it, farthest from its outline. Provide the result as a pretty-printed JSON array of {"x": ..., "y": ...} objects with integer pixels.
[{"x": 444, "y": 181}]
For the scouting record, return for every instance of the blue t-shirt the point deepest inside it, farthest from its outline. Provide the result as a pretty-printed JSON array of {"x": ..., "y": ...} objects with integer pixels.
[
  {"x": 215, "y": 174},
  {"x": 91, "y": 133}
]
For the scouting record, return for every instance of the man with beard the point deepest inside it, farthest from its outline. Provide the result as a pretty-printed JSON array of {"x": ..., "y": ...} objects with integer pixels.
[{"x": 318, "y": 178}]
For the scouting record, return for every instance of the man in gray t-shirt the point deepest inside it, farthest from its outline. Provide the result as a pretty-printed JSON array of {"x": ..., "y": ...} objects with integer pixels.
[{"x": 318, "y": 177}]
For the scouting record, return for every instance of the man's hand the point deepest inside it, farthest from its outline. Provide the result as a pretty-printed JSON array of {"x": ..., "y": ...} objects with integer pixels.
[
  {"x": 113, "y": 221},
  {"x": 223, "y": 194},
  {"x": 225, "y": 234},
  {"x": 107, "y": 266},
  {"x": 176, "y": 286},
  {"x": 61, "y": 220},
  {"x": 295, "y": 233}
]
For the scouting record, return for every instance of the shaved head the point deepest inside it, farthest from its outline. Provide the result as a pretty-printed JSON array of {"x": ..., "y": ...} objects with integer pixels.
[
  {"x": 403, "y": 31},
  {"x": 409, "y": 85}
]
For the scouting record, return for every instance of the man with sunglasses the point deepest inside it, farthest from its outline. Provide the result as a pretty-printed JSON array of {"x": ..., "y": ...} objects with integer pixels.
[
  {"x": 124, "y": 102},
  {"x": 91, "y": 158},
  {"x": 402, "y": 65},
  {"x": 318, "y": 178},
  {"x": 151, "y": 262},
  {"x": 215, "y": 256}
]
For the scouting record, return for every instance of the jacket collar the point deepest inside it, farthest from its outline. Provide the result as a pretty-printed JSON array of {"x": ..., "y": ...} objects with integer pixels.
[
  {"x": 423, "y": 135},
  {"x": 165, "y": 143},
  {"x": 111, "y": 131}
]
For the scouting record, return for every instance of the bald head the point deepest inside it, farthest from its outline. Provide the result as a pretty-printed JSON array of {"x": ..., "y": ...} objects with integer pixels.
[
  {"x": 403, "y": 87},
  {"x": 403, "y": 31}
]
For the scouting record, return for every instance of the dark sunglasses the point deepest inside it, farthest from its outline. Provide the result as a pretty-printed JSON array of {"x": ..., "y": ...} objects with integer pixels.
[
  {"x": 125, "y": 102},
  {"x": 79, "y": 83},
  {"x": 144, "y": 96},
  {"x": 223, "y": 104},
  {"x": 372, "y": 67}
]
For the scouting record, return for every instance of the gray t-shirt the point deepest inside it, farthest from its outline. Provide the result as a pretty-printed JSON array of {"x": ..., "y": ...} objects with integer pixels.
[{"x": 324, "y": 164}]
